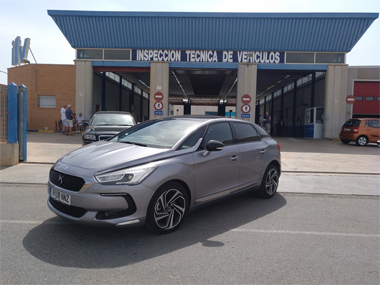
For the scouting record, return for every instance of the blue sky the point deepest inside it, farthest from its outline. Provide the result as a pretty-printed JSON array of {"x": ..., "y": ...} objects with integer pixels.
[{"x": 29, "y": 19}]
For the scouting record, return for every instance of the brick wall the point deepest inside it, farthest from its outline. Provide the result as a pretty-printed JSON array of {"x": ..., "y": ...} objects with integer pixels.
[{"x": 45, "y": 79}]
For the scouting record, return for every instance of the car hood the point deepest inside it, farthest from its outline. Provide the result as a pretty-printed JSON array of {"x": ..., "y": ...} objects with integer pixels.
[{"x": 110, "y": 155}]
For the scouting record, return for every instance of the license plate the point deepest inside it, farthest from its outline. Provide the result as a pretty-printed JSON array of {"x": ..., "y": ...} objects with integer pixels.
[
  {"x": 347, "y": 130},
  {"x": 60, "y": 197}
]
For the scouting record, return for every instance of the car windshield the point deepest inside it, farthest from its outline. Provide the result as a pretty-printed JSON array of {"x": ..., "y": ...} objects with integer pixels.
[
  {"x": 161, "y": 133},
  {"x": 352, "y": 123},
  {"x": 112, "y": 120}
]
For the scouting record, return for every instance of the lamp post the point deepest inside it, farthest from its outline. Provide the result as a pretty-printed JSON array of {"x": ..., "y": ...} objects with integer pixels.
[{"x": 25, "y": 60}]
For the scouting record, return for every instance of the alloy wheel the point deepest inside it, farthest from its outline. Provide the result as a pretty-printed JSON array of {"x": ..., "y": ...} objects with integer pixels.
[
  {"x": 169, "y": 209},
  {"x": 271, "y": 182},
  {"x": 362, "y": 141}
]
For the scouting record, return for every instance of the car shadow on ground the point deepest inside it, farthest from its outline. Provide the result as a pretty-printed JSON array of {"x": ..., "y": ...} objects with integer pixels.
[{"x": 70, "y": 245}]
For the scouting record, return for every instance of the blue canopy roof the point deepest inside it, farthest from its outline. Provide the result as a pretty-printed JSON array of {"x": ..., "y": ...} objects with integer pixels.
[{"x": 334, "y": 32}]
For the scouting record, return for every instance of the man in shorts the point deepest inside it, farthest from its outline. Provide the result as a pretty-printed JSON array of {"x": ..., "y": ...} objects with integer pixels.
[
  {"x": 69, "y": 120},
  {"x": 63, "y": 118}
]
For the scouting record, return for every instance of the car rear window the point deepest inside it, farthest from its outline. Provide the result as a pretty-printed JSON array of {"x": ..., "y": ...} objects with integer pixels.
[{"x": 352, "y": 123}]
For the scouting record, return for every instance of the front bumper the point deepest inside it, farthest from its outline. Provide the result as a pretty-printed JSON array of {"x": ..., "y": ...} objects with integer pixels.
[{"x": 96, "y": 204}]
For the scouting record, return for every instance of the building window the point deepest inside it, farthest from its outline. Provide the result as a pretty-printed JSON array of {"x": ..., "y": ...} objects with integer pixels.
[
  {"x": 293, "y": 57},
  {"x": 358, "y": 98},
  {"x": 369, "y": 98},
  {"x": 377, "y": 98},
  {"x": 46, "y": 101},
  {"x": 89, "y": 54},
  {"x": 329, "y": 58},
  {"x": 117, "y": 54}
]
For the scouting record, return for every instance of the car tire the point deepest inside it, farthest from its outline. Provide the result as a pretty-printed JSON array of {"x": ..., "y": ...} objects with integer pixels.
[
  {"x": 345, "y": 141},
  {"x": 362, "y": 140},
  {"x": 269, "y": 184},
  {"x": 167, "y": 208}
]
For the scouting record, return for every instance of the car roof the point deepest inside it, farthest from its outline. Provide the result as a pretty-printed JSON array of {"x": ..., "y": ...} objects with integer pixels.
[
  {"x": 202, "y": 118},
  {"x": 112, "y": 112},
  {"x": 364, "y": 119}
]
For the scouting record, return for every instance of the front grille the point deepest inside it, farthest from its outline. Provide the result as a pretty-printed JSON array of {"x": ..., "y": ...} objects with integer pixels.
[
  {"x": 65, "y": 181},
  {"x": 104, "y": 137},
  {"x": 68, "y": 210}
]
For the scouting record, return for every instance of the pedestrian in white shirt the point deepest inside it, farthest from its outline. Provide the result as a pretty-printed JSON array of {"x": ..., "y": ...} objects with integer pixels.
[{"x": 63, "y": 118}]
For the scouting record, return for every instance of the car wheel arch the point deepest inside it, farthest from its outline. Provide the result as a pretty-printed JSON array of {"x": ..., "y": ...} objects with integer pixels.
[
  {"x": 277, "y": 164},
  {"x": 184, "y": 185},
  {"x": 362, "y": 136}
]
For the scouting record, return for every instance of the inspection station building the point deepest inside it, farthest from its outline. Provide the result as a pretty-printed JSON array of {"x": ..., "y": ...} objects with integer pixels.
[{"x": 157, "y": 64}]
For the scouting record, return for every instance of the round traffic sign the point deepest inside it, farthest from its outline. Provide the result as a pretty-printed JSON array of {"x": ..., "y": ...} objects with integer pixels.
[
  {"x": 246, "y": 99},
  {"x": 246, "y": 109},
  {"x": 350, "y": 99},
  {"x": 158, "y": 96},
  {"x": 158, "y": 106}
]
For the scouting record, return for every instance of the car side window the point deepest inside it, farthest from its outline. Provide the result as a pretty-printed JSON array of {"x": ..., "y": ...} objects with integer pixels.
[
  {"x": 245, "y": 133},
  {"x": 220, "y": 132},
  {"x": 372, "y": 123},
  {"x": 192, "y": 140}
]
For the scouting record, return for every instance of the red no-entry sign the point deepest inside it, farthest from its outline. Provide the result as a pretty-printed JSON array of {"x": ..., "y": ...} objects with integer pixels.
[
  {"x": 158, "y": 96},
  {"x": 246, "y": 99},
  {"x": 350, "y": 99}
]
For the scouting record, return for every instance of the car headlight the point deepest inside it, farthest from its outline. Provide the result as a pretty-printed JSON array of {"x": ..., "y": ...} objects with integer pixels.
[
  {"x": 128, "y": 176},
  {"x": 89, "y": 137}
]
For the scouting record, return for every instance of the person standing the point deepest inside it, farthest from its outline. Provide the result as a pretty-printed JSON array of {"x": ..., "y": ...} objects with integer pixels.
[
  {"x": 79, "y": 122},
  {"x": 69, "y": 120},
  {"x": 267, "y": 121},
  {"x": 63, "y": 118}
]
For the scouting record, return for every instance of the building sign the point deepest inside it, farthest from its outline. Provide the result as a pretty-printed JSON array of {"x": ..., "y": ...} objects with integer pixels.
[
  {"x": 271, "y": 57},
  {"x": 19, "y": 52}
]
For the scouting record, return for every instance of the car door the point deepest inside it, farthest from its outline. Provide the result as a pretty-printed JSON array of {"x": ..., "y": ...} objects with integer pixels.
[
  {"x": 253, "y": 151},
  {"x": 372, "y": 130},
  {"x": 217, "y": 172}
]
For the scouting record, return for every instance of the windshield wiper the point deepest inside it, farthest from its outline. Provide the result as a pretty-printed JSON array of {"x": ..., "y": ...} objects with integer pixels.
[{"x": 135, "y": 143}]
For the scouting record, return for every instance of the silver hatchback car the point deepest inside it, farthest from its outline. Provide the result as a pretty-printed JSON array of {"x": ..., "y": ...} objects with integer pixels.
[{"x": 154, "y": 173}]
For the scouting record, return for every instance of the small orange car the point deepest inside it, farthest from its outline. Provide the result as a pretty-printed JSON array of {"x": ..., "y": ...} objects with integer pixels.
[{"x": 361, "y": 131}]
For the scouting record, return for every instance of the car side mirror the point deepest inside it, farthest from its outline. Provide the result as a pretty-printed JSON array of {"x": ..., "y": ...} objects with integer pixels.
[{"x": 213, "y": 145}]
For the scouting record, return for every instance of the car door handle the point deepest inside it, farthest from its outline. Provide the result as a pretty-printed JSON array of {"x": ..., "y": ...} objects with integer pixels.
[
  {"x": 262, "y": 151},
  {"x": 233, "y": 158}
]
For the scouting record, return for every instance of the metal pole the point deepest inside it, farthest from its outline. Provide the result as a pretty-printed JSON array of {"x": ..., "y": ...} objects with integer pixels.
[{"x": 22, "y": 122}]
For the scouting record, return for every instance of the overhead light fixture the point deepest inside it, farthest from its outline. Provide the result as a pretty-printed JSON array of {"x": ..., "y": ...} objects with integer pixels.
[
  {"x": 232, "y": 86},
  {"x": 179, "y": 83},
  {"x": 143, "y": 83}
]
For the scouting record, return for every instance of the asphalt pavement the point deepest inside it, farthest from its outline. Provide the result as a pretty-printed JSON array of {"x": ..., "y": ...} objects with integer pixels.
[
  {"x": 356, "y": 170},
  {"x": 321, "y": 228}
]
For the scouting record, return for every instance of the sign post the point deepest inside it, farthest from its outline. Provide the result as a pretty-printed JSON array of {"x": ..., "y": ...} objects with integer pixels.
[{"x": 246, "y": 108}]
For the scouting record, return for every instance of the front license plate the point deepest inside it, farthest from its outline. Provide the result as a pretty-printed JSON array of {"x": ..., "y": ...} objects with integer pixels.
[
  {"x": 60, "y": 197},
  {"x": 347, "y": 130}
]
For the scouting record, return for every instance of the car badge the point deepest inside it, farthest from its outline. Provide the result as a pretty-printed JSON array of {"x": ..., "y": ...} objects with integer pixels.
[{"x": 60, "y": 178}]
